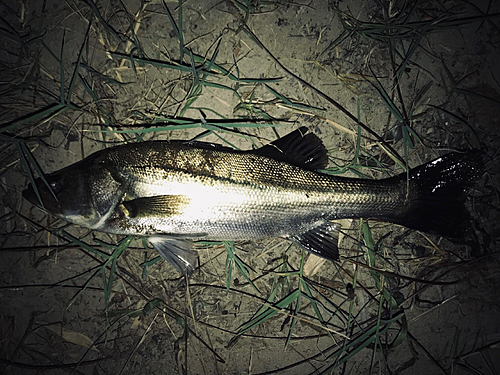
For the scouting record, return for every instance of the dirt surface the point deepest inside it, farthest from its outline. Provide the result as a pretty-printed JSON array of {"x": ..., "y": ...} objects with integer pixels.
[{"x": 366, "y": 76}]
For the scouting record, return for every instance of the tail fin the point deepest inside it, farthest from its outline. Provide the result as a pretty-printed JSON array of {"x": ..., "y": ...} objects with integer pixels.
[{"x": 437, "y": 192}]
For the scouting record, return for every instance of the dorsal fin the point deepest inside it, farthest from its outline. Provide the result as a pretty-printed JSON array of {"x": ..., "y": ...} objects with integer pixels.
[{"x": 299, "y": 148}]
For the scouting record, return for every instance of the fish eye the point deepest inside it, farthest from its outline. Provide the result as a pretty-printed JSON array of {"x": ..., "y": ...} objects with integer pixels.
[{"x": 55, "y": 183}]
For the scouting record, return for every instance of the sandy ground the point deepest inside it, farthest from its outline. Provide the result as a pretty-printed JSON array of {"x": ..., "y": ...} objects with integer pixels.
[{"x": 68, "y": 84}]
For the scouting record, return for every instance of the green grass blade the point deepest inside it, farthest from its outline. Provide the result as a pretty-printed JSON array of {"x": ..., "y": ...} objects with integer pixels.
[
  {"x": 84, "y": 245},
  {"x": 402, "y": 334},
  {"x": 415, "y": 43},
  {"x": 278, "y": 95},
  {"x": 293, "y": 322},
  {"x": 370, "y": 261},
  {"x": 389, "y": 103},
  {"x": 62, "y": 97},
  {"x": 344, "y": 35},
  {"x": 111, "y": 263},
  {"x": 144, "y": 265},
  {"x": 180, "y": 35},
  {"x": 86, "y": 284},
  {"x": 177, "y": 124},
  {"x": 178, "y": 32},
  {"x": 270, "y": 298},
  {"x": 77, "y": 65},
  {"x": 96, "y": 100},
  {"x": 217, "y": 69},
  {"x": 241, "y": 266},
  {"x": 355, "y": 345},
  {"x": 369, "y": 244},
  {"x": 26, "y": 167},
  {"x": 50, "y": 110},
  {"x": 104, "y": 76},
  {"x": 268, "y": 312},
  {"x": 229, "y": 268},
  {"x": 109, "y": 29},
  {"x": 32, "y": 161},
  {"x": 27, "y": 162}
]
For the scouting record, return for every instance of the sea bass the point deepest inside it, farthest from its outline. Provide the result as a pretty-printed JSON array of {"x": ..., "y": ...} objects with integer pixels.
[{"x": 176, "y": 192}]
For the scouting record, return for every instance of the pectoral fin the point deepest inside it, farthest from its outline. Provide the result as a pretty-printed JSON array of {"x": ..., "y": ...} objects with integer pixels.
[
  {"x": 177, "y": 252},
  {"x": 321, "y": 241},
  {"x": 161, "y": 205}
]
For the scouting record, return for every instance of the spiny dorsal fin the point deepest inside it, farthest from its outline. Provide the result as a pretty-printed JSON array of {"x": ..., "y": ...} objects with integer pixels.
[{"x": 299, "y": 148}]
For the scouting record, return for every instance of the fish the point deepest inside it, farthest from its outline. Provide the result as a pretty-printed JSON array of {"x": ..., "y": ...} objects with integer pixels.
[{"x": 177, "y": 192}]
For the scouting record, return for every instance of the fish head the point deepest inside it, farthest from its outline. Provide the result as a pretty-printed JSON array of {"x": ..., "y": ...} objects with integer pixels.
[{"x": 83, "y": 194}]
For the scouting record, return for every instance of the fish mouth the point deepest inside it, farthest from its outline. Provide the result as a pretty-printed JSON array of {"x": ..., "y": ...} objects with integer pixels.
[
  {"x": 30, "y": 196},
  {"x": 44, "y": 200}
]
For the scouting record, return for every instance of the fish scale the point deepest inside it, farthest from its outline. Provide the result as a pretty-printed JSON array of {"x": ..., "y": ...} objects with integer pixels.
[
  {"x": 240, "y": 188},
  {"x": 174, "y": 192}
]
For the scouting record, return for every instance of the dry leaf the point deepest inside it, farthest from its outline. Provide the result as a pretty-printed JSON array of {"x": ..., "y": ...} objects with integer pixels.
[{"x": 73, "y": 337}]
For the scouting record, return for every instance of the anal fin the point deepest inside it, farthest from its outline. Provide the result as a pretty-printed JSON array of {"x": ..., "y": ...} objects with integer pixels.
[{"x": 322, "y": 241}]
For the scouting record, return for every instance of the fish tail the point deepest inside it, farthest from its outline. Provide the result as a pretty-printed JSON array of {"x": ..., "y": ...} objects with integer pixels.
[{"x": 437, "y": 193}]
